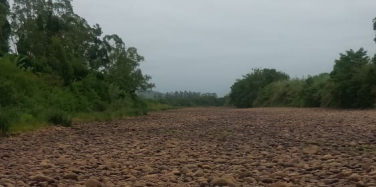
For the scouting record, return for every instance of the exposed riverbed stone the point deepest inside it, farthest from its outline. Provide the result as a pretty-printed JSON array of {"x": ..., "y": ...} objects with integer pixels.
[{"x": 263, "y": 147}]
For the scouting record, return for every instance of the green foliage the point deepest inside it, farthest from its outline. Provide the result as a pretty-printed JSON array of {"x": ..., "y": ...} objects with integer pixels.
[
  {"x": 374, "y": 27},
  {"x": 59, "y": 117},
  {"x": 190, "y": 99},
  {"x": 61, "y": 63},
  {"x": 315, "y": 90},
  {"x": 245, "y": 91},
  {"x": 4, "y": 124},
  {"x": 59, "y": 42},
  {"x": 179, "y": 99},
  {"x": 7, "y": 93},
  {"x": 282, "y": 93},
  {"x": 156, "y": 105},
  {"x": 351, "y": 84},
  {"x": 353, "y": 78},
  {"x": 7, "y": 117},
  {"x": 308, "y": 92},
  {"x": 4, "y": 27}
]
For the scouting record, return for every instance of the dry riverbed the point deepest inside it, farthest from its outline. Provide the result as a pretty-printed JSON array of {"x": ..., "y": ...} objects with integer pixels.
[{"x": 278, "y": 147}]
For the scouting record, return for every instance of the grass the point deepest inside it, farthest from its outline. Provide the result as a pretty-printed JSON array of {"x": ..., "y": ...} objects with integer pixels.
[
  {"x": 102, "y": 116},
  {"x": 58, "y": 117},
  {"x": 27, "y": 127},
  {"x": 155, "y": 106},
  {"x": 7, "y": 117},
  {"x": 112, "y": 114},
  {"x": 28, "y": 122}
]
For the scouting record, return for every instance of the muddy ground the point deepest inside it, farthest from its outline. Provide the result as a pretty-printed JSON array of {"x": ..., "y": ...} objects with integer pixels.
[{"x": 200, "y": 147}]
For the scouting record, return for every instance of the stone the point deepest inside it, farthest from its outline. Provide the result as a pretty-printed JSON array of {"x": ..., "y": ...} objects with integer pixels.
[
  {"x": 93, "y": 183},
  {"x": 42, "y": 178},
  {"x": 313, "y": 149}
]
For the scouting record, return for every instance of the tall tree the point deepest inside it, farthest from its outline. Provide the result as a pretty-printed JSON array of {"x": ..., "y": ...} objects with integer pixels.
[
  {"x": 374, "y": 27},
  {"x": 53, "y": 36},
  {"x": 123, "y": 66},
  {"x": 354, "y": 80},
  {"x": 58, "y": 41},
  {"x": 244, "y": 91},
  {"x": 5, "y": 28}
]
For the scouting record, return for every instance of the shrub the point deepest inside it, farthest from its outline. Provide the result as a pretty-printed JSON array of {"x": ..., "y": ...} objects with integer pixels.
[
  {"x": 7, "y": 117},
  {"x": 99, "y": 106},
  {"x": 59, "y": 117},
  {"x": 4, "y": 125},
  {"x": 7, "y": 93}
]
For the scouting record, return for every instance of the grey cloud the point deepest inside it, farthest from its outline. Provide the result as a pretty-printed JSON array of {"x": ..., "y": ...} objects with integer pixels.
[{"x": 205, "y": 45}]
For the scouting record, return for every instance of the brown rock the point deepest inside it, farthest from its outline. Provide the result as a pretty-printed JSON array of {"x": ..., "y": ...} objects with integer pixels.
[
  {"x": 267, "y": 180},
  {"x": 175, "y": 171},
  {"x": 93, "y": 183},
  {"x": 280, "y": 184},
  {"x": 354, "y": 177},
  {"x": 112, "y": 165},
  {"x": 330, "y": 181},
  {"x": 199, "y": 173},
  {"x": 313, "y": 149},
  {"x": 222, "y": 182},
  {"x": 360, "y": 184},
  {"x": 220, "y": 161},
  {"x": 43, "y": 184},
  {"x": 206, "y": 167},
  {"x": 244, "y": 173},
  {"x": 63, "y": 160},
  {"x": 8, "y": 185},
  {"x": 71, "y": 176},
  {"x": 42, "y": 178},
  {"x": 185, "y": 170}
]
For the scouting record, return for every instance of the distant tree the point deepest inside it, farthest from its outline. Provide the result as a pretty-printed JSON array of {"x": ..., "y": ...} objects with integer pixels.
[
  {"x": 245, "y": 91},
  {"x": 354, "y": 80},
  {"x": 374, "y": 27},
  {"x": 5, "y": 28},
  {"x": 52, "y": 36},
  {"x": 123, "y": 66},
  {"x": 282, "y": 93},
  {"x": 315, "y": 89}
]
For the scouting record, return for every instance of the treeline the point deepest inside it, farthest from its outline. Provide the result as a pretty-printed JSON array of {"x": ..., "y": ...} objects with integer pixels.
[
  {"x": 186, "y": 98},
  {"x": 57, "y": 65},
  {"x": 351, "y": 84}
]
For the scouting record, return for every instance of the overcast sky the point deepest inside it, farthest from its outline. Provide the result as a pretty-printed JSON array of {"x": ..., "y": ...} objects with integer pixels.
[{"x": 205, "y": 45}]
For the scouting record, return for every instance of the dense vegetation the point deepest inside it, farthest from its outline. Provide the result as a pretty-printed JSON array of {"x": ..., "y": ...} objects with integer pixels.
[
  {"x": 57, "y": 67},
  {"x": 54, "y": 67},
  {"x": 351, "y": 84},
  {"x": 189, "y": 99}
]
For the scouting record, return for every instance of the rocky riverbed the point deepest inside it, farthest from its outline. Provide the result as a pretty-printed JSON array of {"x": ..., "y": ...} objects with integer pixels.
[{"x": 276, "y": 147}]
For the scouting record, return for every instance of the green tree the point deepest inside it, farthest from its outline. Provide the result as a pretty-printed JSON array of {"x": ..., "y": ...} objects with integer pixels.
[
  {"x": 245, "y": 91},
  {"x": 53, "y": 36},
  {"x": 354, "y": 80},
  {"x": 5, "y": 28},
  {"x": 123, "y": 66},
  {"x": 282, "y": 93},
  {"x": 315, "y": 89},
  {"x": 374, "y": 27}
]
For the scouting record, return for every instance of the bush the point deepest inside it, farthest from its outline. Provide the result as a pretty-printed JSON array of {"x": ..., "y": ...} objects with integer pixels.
[
  {"x": 7, "y": 93},
  {"x": 59, "y": 117},
  {"x": 245, "y": 91},
  {"x": 99, "y": 106},
  {"x": 7, "y": 117},
  {"x": 4, "y": 125}
]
